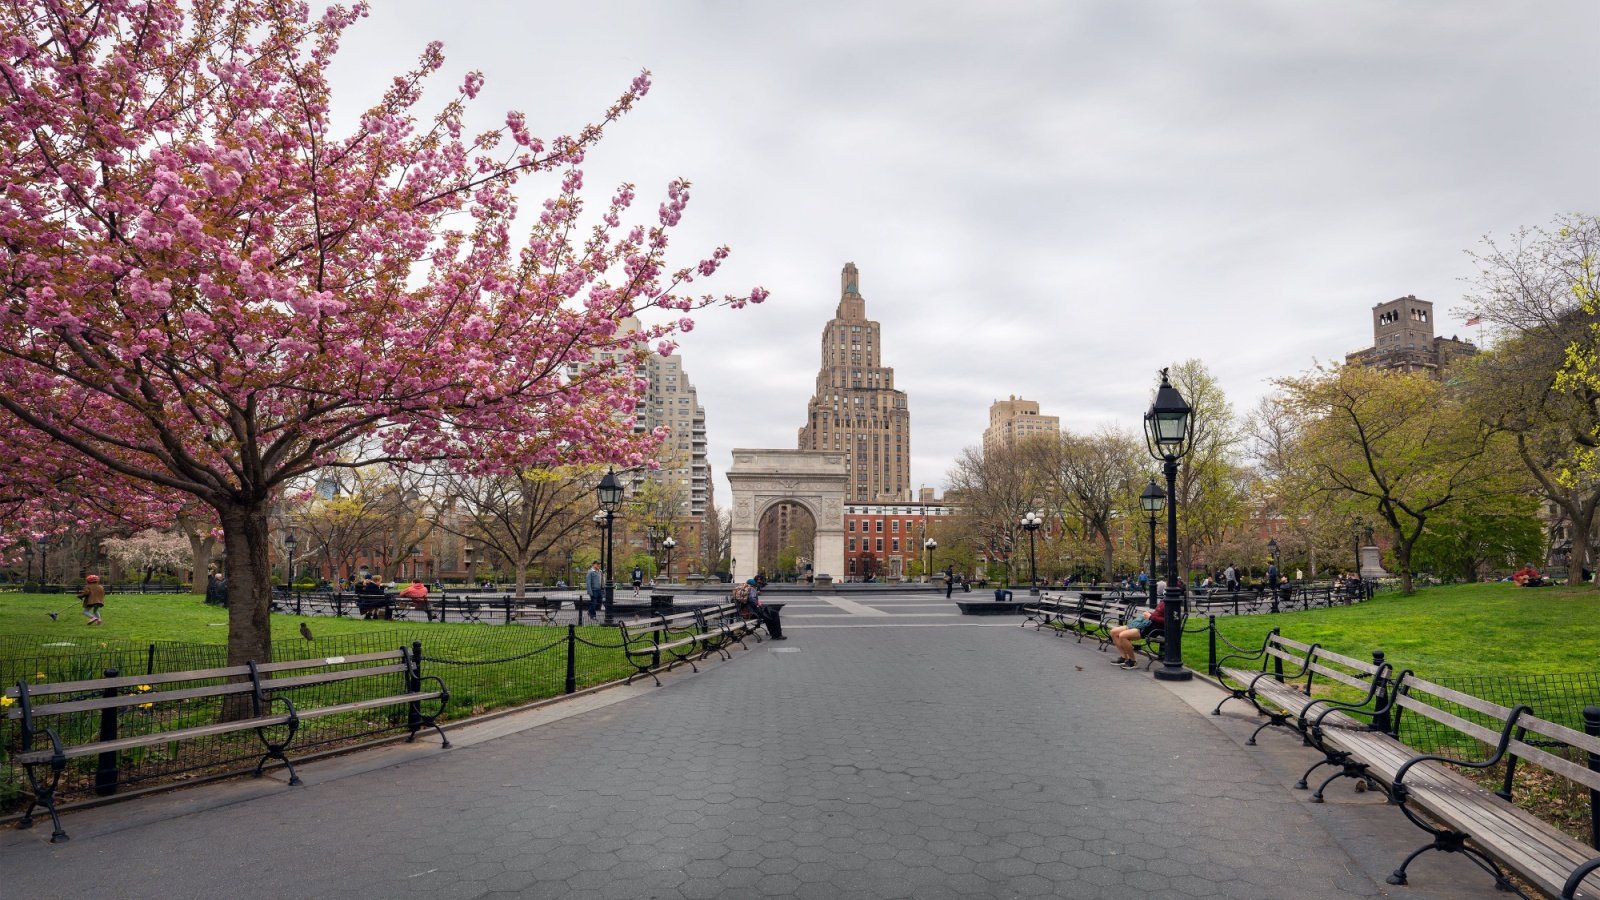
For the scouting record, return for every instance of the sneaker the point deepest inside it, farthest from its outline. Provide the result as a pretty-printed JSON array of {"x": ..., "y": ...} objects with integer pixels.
[{"x": 1130, "y": 664}]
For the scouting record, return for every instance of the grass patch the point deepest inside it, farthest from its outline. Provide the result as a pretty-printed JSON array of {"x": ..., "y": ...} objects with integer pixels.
[{"x": 1440, "y": 633}]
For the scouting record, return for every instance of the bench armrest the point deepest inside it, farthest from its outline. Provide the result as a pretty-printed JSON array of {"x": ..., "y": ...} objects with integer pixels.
[
  {"x": 444, "y": 692},
  {"x": 1570, "y": 889},
  {"x": 1398, "y": 789},
  {"x": 1248, "y": 655},
  {"x": 1357, "y": 707}
]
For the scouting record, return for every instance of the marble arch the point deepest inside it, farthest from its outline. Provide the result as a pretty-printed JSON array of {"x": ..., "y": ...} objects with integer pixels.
[{"x": 814, "y": 479}]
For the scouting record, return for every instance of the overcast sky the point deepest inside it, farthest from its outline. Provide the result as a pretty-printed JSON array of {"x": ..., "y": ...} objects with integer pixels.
[{"x": 1048, "y": 199}]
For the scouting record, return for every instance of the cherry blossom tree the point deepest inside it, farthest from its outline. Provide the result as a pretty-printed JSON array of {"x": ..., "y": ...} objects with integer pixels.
[
  {"x": 150, "y": 551},
  {"x": 209, "y": 289}
]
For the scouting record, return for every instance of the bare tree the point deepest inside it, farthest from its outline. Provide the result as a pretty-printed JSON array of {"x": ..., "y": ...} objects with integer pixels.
[
  {"x": 994, "y": 487},
  {"x": 524, "y": 516},
  {"x": 1089, "y": 479}
]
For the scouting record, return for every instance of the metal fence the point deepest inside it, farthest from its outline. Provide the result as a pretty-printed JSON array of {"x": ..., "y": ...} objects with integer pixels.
[{"x": 485, "y": 669}]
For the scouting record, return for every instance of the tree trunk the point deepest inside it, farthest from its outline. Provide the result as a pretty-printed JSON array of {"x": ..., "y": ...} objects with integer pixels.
[
  {"x": 249, "y": 575},
  {"x": 1582, "y": 526},
  {"x": 201, "y": 547},
  {"x": 522, "y": 577},
  {"x": 1402, "y": 557}
]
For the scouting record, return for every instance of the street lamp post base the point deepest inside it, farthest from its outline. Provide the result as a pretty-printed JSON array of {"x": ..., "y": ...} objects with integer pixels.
[{"x": 1164, "y": 672}]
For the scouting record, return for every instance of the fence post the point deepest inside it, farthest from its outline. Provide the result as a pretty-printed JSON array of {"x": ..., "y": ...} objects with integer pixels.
[
  {"x": 414, "y": 684},
  {"x": 572, "y": 658},
  {"x": 1380, "y": 702},
  {"x": 150, "y": 661},
  {"x": 299, "y": 609},
  {"x": 1591, "y": 727},
  {"x": 508, "y": 609},
  {"x": 1211, "y": 634},
  {"x": 105, "y": 777}
]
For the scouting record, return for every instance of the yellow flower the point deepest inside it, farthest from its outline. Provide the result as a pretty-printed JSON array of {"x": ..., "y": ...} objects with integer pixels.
[
  {"x": 39, "y": 675},
  {"x": 143, "y": 688},
  {"x": 146, "y": 705},
  {"x": 6, "y": 701}
]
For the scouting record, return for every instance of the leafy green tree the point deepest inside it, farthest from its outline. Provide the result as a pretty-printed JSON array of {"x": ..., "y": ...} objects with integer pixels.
[
  {"x": 1541, "y": 383},
  {"x": 1496, "y": 533},
  {"x": 1399, "y": 444}
]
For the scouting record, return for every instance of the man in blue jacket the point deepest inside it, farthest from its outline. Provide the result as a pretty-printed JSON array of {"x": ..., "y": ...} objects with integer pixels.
[{"x": 595, "y": 581}]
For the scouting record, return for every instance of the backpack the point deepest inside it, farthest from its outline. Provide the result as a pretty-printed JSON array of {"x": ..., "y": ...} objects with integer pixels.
[{"x": 741, "y": 593}]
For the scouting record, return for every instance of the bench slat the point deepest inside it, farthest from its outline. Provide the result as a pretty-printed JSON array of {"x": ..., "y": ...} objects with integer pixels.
[
  {"x": 1429, "y": 711},
  {"x": 123, "y": 681},
  {"x": 148, "y": 740},
  {"x": 291, "y": 664},
  {"x": 359, "y": 705},
  {"x": 125, "y": 700},
  {"x": 278, "y": 684},
  {"x": 1470, "y": 702}
]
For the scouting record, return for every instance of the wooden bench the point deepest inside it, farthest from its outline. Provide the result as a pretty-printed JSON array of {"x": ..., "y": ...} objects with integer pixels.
[
  {"x": 1282, "y": 689},
  {"x": 252, "y": 690},
  {"x": 1359, "y": 736},
  {"x": 1460, "y": 815},
  {"x": 1095, "y": 617},
  {"x": 1050, "y": 610},
  {"x": 682, "y": 636}
]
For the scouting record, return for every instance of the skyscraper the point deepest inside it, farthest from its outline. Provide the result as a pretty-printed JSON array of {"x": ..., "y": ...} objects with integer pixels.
[
  {"x": 1016, "y": 420},
  {"x": 856, "y": 408}
]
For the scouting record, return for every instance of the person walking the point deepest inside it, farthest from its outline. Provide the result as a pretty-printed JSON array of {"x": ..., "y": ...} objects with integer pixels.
[
  {"x": 595, "y": 581},
  {"x": 949, "y": 581},
  {"x": 94, "y": 599},
  {"x": 638, "y": 580}
]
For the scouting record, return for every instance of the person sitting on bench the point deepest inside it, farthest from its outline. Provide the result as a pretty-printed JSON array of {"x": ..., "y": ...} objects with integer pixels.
[
  {"x": 417, "y": 593},
  {"x": 1528, "y": 576},
  {"x": 1142, "y": 627}
]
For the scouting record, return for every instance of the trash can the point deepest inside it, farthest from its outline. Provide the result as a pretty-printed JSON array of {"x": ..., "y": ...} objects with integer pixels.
[{"x": 770, "y": 613}]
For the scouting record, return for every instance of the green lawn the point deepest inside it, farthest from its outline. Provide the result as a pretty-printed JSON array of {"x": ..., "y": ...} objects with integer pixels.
[
  {"x": 486, "y": 665},
  {"x": 1443, "y": 632}
]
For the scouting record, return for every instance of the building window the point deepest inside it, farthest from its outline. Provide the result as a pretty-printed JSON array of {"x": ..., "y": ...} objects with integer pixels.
[
  {"x": 894, "y": 525},
  {"x": 880, "y": 530},
  {"x": 880, "y": 545},
  {"x": 852, "y": 524},
  {"x": 894, "y": 544},
  {"x": 852, "y": 545}
]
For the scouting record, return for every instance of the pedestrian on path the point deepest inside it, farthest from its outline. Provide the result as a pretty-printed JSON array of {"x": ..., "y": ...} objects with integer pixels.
[
  {"x": 94, "y": 599},
  {"x": 596, "y": 583},
  {"x": 949, "y": 581}
]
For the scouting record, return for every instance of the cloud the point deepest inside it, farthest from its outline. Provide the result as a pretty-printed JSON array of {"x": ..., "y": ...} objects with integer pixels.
[{"x": 1047, "y": 199}]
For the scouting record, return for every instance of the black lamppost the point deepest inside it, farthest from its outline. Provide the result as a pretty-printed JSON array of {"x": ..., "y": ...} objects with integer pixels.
[
  {"x": 27, "y": 573},
  {"x": 44, "y": 562},
  {"x": 289, "y": 543},
  {"x": 930, "y": 545},
  {"x": 668, "y": 544},
  {"x": 1355, "y": 538},
  {"x": 1030, "y": 524},
  {"x": 1167, "y": 438},
  {"x": 1152, "y": 500},
  {"x": 1272, "y": 548},
  {"x": 609, "y": 494}
]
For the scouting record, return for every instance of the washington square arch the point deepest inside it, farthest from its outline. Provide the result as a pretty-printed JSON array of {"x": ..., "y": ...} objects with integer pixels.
[{"x": 812, "y": 480}]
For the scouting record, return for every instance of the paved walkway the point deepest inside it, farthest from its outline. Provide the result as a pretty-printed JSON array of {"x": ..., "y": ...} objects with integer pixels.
[{"x": 978, "y": 759}]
